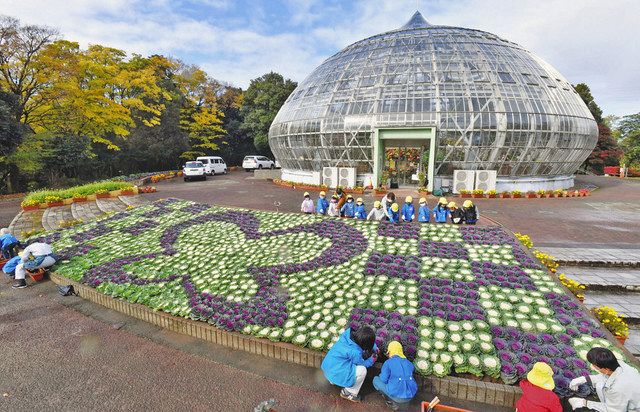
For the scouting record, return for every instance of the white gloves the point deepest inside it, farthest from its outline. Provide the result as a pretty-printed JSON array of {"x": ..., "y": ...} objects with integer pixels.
[
  {"x": 573, "y": 385},
  {"x": 577, "y": 402}
]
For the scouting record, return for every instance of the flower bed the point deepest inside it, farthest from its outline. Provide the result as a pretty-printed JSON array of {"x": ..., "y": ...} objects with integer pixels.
[
  {"x": 462, "y": 300},
  {"x": 56, "y": 197}
]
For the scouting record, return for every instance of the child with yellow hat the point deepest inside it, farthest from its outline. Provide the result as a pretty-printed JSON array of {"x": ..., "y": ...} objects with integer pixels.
[
  {"x": 457, "y": 215},
  {"x": 537, "y": 391},
  {"x": 441, "y": 212},
  {"x": 471, "y": 214},
  {"x": 334, "y": 210},
  {"x": 323, "y": 204},
  {"x": 349, "y": 208},
  {"x": 307, "y": 204},
  {"x": 424, "y": 214},
  {"x": 408, "y": 211},
  {"x": 377, "y": 213},
  {"x": 395, "y": 381},
  {"x": 360, "y": 212},
  {"x": 394, "y": 213}
]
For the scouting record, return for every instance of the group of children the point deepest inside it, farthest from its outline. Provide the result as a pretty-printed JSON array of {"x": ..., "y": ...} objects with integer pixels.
[{"x": 342, "y": 205}]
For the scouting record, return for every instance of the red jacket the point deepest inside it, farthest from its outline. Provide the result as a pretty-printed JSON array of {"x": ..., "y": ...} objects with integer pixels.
[{"x": 537, "y": 399}]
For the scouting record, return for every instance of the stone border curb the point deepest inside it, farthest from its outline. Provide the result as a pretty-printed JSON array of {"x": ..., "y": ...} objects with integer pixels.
[
  {"x": 599, "y": 264},
  {"x": 495, "y": 394}
]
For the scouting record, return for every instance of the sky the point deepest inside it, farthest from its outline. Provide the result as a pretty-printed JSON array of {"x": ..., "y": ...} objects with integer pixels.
[{"x": 590, "y": 41}]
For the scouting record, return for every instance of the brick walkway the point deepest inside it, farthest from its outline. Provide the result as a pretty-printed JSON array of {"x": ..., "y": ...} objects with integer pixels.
[
  {"x": 605, "y": 277},
  {"x": 605, "y": 255},
  {"x": 627, "y": 303}
]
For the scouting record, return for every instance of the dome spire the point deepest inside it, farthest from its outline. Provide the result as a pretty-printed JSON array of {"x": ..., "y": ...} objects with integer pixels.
[{"x": 416, "y": 22}]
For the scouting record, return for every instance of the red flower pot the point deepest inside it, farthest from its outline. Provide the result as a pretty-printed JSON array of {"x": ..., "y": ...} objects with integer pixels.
[
  {"x": 475, "y": 196},
  {"x": 531, "y": 195},
  {"x": 621, "y": 339},
  {"x": 516, "y": 196},
  {"x": 54, "y": 204},
  {"x": 492, "y": 196},
  {"x": 465, "y": 195},
  {"x": 103, "y": 195},
  {"x": 38, "y": 275},
  {"x": 126, "y": 192},
  {"x": 79, "y": 199},
  {"x": 30, "y": 208}
]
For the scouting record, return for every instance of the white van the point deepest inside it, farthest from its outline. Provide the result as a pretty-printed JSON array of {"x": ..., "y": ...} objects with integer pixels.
[{"x": 214, "y": 165}]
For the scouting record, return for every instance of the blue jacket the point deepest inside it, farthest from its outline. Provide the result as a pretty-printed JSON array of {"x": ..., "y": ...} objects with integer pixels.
[
  {"x": 394, "y": 217},
  {"x": 441, "y": 213},
  {"x": 339, "y": 366},
  {"x": 408, "y": 212},
  {"x": 424, "y": 214},
  {"x": 361, "y": 213},
  {"x": 6, "y": 240},
  {"x": 397, "y": 373},
  {"x": 10, "y": 266},
  {"x": 322, "y": 206},
  {"x": 348, "y": 209}
]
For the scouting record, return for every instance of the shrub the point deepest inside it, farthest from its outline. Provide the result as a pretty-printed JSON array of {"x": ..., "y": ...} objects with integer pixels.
[
  {"x": 612, "y": 321},
  {"x": 525, "y": 240},
  {"x": 41, "y": 196}
]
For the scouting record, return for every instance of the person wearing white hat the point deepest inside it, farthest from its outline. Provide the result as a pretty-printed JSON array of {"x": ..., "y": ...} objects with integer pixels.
[{"x": 307, "y": 204}]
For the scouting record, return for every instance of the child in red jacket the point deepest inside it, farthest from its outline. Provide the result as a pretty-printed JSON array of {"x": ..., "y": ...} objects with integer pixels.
[{"x": 537, "y": 391}]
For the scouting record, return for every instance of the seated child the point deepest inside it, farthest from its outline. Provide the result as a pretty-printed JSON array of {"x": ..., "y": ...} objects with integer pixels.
[
  {"x": 360, "y": 212},
  {"x": 457, "y": 215},
  {"x": 377, "y": 213},
  {"x": 346, "y": 363},
  {"x": 471, "y": 214},
  {"x": 349, "y": 208},
  {"x": 441, "y": 212},
  {"x": 396, "y": 381},
  {"x": 394, "y": 215},
  {"x": 408, "y": 211}
]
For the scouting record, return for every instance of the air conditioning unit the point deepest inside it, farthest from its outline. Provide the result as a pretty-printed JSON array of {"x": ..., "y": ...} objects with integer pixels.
[
  {"x": 486, "y": 180},
  {"x": 347, "y": 176},
  {"x": 463, "y": 180},
  {"x": 330, "y": 176}
]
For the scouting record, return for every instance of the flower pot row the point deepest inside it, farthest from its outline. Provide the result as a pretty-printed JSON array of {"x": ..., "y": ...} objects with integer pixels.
[
  {"x": 528, "y": 195},
  {"x": 68, "y": 201}
]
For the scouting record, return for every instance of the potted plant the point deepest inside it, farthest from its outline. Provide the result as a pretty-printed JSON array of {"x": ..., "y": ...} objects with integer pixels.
[
  {"x": 424, "y": 190},
  {"x": 548, "y": 194},
  {"x": 78, "y": 198},
  {"x": 516, "y": 194},
  {"x": 102, "y": 194},
  {"x": 541, "y": 193},
  {"x": 584, "y": 192},
  {"x": 492, "y": 194},
  {"x": 53, "y": 201},
  {"x": 28, "y": 205},
  {"x": 478, "y": 193},
  {"x": 574, "y": 286},
  {"x": 613, "y": 322},
  {"x": 557, "y": 193},
  {"x": 128, "y": 191},
  {"x": 465, "y": 193},
  {"x": 531, "y": 195},
  {"x": 505, "y": 195}
]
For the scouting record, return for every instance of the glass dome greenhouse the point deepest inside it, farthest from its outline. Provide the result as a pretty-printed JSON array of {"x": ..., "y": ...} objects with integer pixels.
[{"x": 433, "y": 99}]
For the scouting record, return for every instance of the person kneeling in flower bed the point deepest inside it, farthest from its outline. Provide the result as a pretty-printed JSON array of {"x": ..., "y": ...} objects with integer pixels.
[
  {"x": 396, "y": 381},
  {"x": 377, "y": 213},
  {"x": 35, "y": 256},
  {"x": 537, "y": 391},
  {"x": 617, "y": 384},
  {"x": 347, "y": 361}
]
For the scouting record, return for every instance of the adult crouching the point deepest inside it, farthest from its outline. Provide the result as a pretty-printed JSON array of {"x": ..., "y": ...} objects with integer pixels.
[{"x": 35, "y": 256}]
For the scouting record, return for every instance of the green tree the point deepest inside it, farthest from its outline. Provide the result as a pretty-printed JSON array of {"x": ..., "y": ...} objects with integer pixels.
[
  {"x": 262, "y": 100},
  {"x": 629, "y": 127},
  {"x": 585, "y": 94},
  {"x": 11, "y": 135}
]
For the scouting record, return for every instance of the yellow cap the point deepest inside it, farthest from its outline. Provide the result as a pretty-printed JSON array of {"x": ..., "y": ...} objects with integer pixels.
[
  {"x": 541, "y": 375},
  {"x": 395, "y": 207},
  {"x": 335, "y": 197},
  {"x": 442, "y": 201},
  {"x": 306, "y": 194},
  {"x": 467, "y": 203},
  {"x": 423, "y": 200},
  {"x": 349, "y": 197},
  {"x": 408, "y": 199},
  {"x": 452, "y": 205},
  {"x": 322, "y": 193},
  {"x": 377, "y": 204},
  {"x": 395, "y": 349},
  {"x": 359, "y": 200}
]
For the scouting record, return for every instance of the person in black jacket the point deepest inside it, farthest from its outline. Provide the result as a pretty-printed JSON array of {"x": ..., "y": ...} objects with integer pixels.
[
  {"x": 457, "y": 215},
  {"x": 471, "y": 214}
]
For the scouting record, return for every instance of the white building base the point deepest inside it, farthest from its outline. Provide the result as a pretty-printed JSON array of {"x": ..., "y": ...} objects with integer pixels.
[
  {"x": 301, "y": 176},
  {"x": 533, "y": 184}
]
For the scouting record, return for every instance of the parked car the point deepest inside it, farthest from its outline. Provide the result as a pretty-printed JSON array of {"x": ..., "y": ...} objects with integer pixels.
[
  {"x": 257, "y": 162},
  {"x": 194, "y": 170},
  {"x": 213, "y": 165}
]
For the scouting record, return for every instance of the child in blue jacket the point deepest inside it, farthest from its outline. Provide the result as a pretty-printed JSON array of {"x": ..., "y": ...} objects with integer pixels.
[
  {"x": 349, "y": 208},
  {"x": 441, "y": 212},
  {"x": 360, "y": 212},
  {"x": 347, "y": 361},
  {"x": 396, "y": 381},
  {"x": 424, "y": 214},
  {"x": 8, "y": 243},
  {"x": 394, "y": 214},
  {"x": 323, "y": 204},
  {"x": 408, "y": 211}
]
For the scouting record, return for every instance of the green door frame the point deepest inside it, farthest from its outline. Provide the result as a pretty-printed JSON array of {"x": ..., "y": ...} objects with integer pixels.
[{"x": 417, "y": 133}]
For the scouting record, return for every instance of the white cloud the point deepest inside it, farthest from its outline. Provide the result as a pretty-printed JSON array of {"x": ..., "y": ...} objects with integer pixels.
[{"x": 586, "y": 40}]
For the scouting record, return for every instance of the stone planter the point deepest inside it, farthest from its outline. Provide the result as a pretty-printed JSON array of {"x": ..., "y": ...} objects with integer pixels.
[
  {"x": 115, "y": 193},
  {"x": 67, "y": 201}
]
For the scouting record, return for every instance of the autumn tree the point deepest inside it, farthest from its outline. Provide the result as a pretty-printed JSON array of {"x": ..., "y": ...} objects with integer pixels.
[
  {"x": 262, "y": 100},
  {"x": 200, "y": 117}
]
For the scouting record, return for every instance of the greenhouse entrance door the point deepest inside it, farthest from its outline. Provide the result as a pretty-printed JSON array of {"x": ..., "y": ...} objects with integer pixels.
[{"x": 405, "y": 157}]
